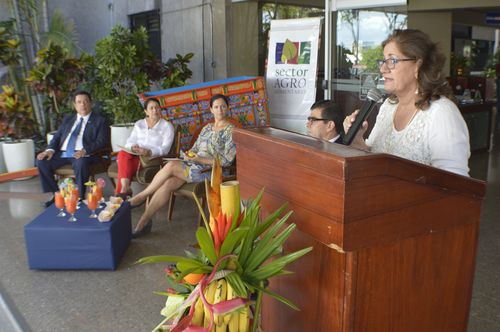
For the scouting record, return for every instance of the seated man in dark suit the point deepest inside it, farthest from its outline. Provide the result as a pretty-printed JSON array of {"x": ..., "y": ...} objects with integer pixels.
[
  {"x": 325, "y": 121},
  {"x": 79, "y": 137}
]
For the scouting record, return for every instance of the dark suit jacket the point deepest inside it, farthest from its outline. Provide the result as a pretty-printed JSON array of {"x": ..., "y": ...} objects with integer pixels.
[
  {"x": 339, "y": 140},
  {"x": 95, "y": 136}
]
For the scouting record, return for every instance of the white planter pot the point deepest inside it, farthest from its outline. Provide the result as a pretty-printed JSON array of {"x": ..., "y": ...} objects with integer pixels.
[
  {"x": 3, "y": 168},
  {"x": 19, "y": 155},
  {"x": 119, "y": 135}
]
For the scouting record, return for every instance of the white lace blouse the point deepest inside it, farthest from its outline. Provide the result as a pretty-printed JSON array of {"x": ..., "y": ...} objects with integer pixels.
[{"x": 437, "y": 136}]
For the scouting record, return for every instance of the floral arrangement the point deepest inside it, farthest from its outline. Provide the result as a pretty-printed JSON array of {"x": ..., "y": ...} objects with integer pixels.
[{"x": 220, "y": 287}]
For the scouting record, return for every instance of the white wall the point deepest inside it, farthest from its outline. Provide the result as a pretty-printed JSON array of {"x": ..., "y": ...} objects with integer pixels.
[
  {"x": 94, "y": 19},
  {"x": 438, "y": 26},
  {"x": 199, "y": 27},
  {"x": 4, "y": 10}
]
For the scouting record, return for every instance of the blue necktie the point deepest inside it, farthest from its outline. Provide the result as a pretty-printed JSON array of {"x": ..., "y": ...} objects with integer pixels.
[{"x": 70, "y": 148}]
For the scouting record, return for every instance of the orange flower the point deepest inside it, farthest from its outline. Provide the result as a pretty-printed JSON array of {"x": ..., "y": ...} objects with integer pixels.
[{"x": 193, "y": 278}]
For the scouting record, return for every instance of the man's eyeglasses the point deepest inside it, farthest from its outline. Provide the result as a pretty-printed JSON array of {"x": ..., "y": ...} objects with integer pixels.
[
  {"x": 391, "y": 62},
  {"x": 313, "y": 119}
]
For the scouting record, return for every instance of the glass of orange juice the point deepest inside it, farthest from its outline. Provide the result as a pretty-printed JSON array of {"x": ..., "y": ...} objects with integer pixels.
[
  {"x": 92, "y": 204},
  {"x": 98, "y": 193},
  {"x": 70, "y": 202},
  {"x": 59, "y": 202},
  {"x": 75, "y": 192}
]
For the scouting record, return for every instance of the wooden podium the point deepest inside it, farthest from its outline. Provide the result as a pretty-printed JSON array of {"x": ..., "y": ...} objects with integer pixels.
[{"x": 394, "y": 241}]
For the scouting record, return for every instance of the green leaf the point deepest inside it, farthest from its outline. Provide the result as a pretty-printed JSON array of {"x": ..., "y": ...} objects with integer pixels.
[
  {"x": 231, "y": 240},
  {"x": 164, "y": 259},
  {"x": 289, "y": 50},
  {"x": 275, "y": 267},
  {"x": 266, "y": 241},
  {"x": 263, "y": 253},
  {"x": 235, "y": 281},
  {"x": 206, "y": 244},
  {"x": 193, "y": 268},
  {"x": 250, "y": 220},
  {"x": 277, "y": 297},
  {"x": 270, "y": 219}
]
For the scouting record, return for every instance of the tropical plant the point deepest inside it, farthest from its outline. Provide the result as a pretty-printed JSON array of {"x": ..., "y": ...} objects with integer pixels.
[
  {"x": 9, "y": 50},
  {"x": 119, "y": 74},
  {"x": 16, "y": 116},
  {"x": 124, "y": 66},
  {"x": 29, "y": 14},
  {"x": 176, "y": 71},
  {"x": 56, "y": 75},
  {"x": 62, "y": 32},
  {"x": 238, "y": 254}
]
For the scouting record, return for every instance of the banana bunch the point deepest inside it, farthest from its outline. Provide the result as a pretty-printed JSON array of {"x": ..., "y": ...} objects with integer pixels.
[{"x": 218, "y": 291}]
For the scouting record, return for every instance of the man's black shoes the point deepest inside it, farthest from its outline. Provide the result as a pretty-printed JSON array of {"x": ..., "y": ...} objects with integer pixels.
[{"x": 49, "y": 202}]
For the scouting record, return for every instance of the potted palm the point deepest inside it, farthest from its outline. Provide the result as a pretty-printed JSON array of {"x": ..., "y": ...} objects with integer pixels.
[{"x": 16, "y": 122}]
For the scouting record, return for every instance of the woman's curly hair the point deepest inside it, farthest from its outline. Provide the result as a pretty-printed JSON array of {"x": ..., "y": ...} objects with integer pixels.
[{"x": 432, "y": 83}]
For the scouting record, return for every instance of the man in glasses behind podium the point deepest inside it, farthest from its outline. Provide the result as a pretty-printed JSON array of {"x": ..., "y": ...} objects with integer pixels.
[{"x": 325, "y": 121}]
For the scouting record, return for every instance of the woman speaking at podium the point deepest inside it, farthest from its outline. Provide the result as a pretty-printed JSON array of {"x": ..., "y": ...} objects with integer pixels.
[{"x": 418, "y": 121}]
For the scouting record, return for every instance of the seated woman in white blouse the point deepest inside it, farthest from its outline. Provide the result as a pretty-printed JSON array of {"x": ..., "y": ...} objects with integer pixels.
[
  {"x": 152, "y": 137},
  {"x": 419, "y": 121}
]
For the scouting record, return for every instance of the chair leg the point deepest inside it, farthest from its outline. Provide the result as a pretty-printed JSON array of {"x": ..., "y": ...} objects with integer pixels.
[
  {"x": 203, "y": 205},
  {"x": 112, "y": 182},
  {"x": 171, "y": 203}
]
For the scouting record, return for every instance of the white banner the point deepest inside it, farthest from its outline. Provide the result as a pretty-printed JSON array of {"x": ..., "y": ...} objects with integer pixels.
[{"x": 291, "y": 71}]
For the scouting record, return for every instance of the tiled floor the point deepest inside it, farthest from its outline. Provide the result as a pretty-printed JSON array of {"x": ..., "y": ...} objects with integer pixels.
[
  {"x": 123, "y": 300},
  {"x": 120, "y": 300}
]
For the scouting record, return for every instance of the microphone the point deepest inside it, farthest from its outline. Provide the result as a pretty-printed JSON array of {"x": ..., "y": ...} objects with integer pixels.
[{"x": 373, "y": 96}]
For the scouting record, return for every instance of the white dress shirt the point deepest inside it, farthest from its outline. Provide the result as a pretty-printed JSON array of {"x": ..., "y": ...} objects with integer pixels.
[
  {"x": 334, "y": 139},
  {"x": 79, "y": 138},
  {"x": 158, "y": 139}
]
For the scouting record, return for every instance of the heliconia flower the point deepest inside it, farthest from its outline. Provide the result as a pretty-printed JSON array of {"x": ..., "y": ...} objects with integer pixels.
[
  {"x": 229, "y": 306},
  {"x": 184, "y": 323},
  {"x": 229, "y": 222},
  {"x": 213, "y": 190},
  {"x": 194, "y": 328},
  {"x": 169, "y": 270},
  {"x": 171, "y": 291}
]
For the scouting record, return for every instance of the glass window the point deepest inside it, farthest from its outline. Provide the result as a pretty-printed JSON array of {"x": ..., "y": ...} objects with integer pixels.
[{"x": 151, "y": 21}]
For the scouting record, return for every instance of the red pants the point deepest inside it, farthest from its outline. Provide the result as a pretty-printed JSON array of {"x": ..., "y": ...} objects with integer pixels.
[{"x": 128, "y": 165}]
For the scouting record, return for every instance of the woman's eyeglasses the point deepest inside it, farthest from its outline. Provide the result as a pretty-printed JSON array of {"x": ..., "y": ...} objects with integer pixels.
[
  {"x": 391, "y": 62},
  {"x": 313, "y": 119}
]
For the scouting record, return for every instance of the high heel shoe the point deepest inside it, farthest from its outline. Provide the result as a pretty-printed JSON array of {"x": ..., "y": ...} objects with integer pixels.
[
  {"x": 135, "y": 206},
  {"x": 143, "y": 231}
]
